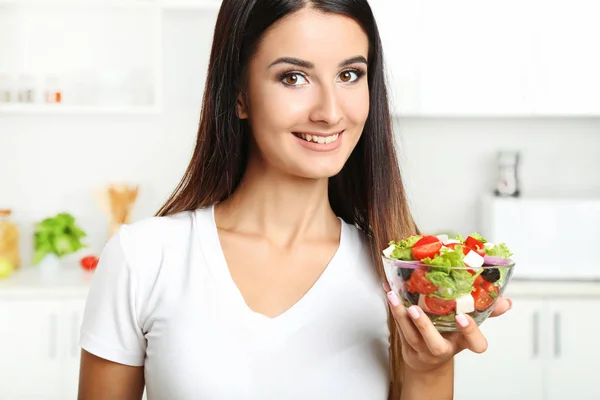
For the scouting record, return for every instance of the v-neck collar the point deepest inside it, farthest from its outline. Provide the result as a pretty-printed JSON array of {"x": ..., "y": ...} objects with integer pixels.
[{"x": 217, "y": 264}]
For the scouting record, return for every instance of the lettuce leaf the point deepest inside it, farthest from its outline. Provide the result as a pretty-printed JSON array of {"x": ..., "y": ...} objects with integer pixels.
[
  {"x": 499, "y": 250},
  {"x": 457, "y": 283},
  {"x": 477, "y": 236},
  {"x": 402, "y": 249},
  {"x": 447, "y": 258}
]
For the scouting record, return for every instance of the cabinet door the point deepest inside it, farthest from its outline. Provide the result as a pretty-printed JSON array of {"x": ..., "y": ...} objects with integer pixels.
[
  {"x": 29, "y": 349},
  {"x": 399, "y": 24},
  {"x": 572, "y": 369},
  {"x": 511, "y": 368},
  {"x": 71, "y": 323},
  {"x": 476, "y": 57},
  {"x": 568, "y": 60}
]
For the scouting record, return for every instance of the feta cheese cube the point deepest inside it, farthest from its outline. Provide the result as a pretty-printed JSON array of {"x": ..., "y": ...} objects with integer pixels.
[
  {"x": 442, "y": 238},
  {"x": 388, "y": 252},
  {"x": 450, "y": 241},
  {"x": 465, "y": 304},
  {"x": 473, "y": 260}
]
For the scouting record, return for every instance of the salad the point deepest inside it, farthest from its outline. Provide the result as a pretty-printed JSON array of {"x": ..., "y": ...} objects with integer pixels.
[{"x": 445, "y": 276}]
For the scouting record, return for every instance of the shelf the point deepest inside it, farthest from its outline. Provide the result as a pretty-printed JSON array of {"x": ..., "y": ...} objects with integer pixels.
[
  {"x": 202, "y": 5},
  {"x": 62, "y": 109},
  {"x": 106, "y": 4}
]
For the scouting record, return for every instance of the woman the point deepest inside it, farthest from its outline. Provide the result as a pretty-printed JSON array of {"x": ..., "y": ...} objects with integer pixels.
[{"x": 261, "y": 275}]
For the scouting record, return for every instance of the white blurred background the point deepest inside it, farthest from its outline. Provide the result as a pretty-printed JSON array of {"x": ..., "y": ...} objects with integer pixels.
[{"x": 467, "y": 78}]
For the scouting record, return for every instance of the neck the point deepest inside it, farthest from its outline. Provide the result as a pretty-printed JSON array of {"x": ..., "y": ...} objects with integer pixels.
[{"x": 283, "y": 208}]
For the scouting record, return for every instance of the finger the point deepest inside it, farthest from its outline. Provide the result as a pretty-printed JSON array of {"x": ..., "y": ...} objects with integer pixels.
[
  {"x": 474, "y": 338},
  {"x": 502, "y": 305},
  {"x": 408, "y": 352},
  {"x": 435, "y": 342},
  {"x": 405, "y": 325}
]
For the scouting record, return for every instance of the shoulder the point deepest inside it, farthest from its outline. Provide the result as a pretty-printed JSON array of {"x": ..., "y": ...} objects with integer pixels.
[
  {"x": 157, "y": 232},
  {"x": 358, "y": 239},
  {"x": 145, "y": 243}
]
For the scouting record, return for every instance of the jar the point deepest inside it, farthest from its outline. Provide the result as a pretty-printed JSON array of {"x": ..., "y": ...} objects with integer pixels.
[{"x": 9, "y": 238}]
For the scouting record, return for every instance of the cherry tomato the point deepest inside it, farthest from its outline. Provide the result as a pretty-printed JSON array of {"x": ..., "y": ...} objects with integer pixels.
[
  {"x": 89, "y": 263},
  {"x": 479, "y": 281},
  {"x": 419, "y": 283},
  {"x": 474, "y": 243},
  {"x": 483, "y": 300},
  {"x": 453, "y": 247},
  {"x": 426, "y": 247},
  {"x": 489, "y": 287},
  {"x": 440, "y": 306}
]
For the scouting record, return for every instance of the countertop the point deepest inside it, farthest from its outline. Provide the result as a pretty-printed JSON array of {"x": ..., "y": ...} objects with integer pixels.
[
  {"x": 74, "y": 281},
  {"x": 28, "y": 281}
]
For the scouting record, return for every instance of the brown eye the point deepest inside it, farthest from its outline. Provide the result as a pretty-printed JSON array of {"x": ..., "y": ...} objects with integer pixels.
[
  {"x": 291, "y": 79},
  {"x": 349, "y": 76}
]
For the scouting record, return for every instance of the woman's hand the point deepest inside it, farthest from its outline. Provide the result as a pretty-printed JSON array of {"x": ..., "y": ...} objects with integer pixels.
[{"x": 423, "y": 347}]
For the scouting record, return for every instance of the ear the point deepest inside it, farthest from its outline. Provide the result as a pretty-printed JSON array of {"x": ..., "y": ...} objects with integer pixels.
[{"x": 242, "y": 106}]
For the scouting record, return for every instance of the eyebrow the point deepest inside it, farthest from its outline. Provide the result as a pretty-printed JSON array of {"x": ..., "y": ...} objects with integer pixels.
[{"x": 307, "y": 64}]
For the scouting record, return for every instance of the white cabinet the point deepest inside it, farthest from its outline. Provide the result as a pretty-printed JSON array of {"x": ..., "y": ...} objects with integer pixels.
[
  {"x": 39, "y": 347},
  {"x": 29, "y": 351},
  {"x": 399, "y": 26},
  {"x": 572, "y": 368},
  {"x": 480, "y": 58},
  {"x": 76, "y": 56},
  {"x": 475, "y": 57},
  {"x": 543, "y": 349},
  {"x": 568, "y": 59},
  {"x": 512, "y": 367}
]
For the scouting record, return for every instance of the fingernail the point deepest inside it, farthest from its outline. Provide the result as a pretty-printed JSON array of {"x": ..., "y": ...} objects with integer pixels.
[
  {"x": 393, "y": 298},
  {"x": 462, "y": 320},
  {"x": 386, "y": 286},
  {"x": 414, "y": 313}
]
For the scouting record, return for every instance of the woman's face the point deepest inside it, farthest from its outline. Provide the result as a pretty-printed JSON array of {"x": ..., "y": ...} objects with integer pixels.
[{"x": 307, "y": 97}]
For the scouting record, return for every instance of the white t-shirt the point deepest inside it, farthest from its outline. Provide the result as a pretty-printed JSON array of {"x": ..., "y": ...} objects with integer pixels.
[{"x": 162, "y": 297}]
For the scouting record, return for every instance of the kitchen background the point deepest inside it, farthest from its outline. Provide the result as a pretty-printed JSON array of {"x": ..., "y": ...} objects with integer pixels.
[{"x": 468, "y": 79}]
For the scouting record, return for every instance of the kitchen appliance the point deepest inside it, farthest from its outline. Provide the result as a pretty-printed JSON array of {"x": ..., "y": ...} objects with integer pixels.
[{"x": 551, "y": 238}]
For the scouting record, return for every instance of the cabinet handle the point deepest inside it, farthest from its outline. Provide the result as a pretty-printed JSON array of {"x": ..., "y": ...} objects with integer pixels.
[
  {"x": 74, "y": 329},
  {"x": 536, "y": 333},
  {"x": 557, "y": 339},
  {"x": 53, "y": 335}
]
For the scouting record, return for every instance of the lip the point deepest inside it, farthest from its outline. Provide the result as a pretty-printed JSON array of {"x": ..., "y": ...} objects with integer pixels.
[
  {"x": 321, "y": 134},
  {"x": 321, "y": 147}
]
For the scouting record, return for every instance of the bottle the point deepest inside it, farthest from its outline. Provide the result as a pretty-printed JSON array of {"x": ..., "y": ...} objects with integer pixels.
[
  {"x": 52, "y": 89},
  {"x": 508, "y": 175},
  {"x": 5, "y": 88},
  {"x": 9, "y": 238},
  {"x": 27, "y": 92}
]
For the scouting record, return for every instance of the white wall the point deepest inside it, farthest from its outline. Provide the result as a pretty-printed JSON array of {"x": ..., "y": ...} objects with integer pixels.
[
  {"x": 53, "y": 163},
  {"x": 449, "y": 163}
]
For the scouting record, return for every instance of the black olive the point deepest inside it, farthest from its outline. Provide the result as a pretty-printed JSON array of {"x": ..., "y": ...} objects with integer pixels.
[
  {"x": 405, "y": 273},
  {"x": 413, "y": 298},
  {"x": 491, "y": 274}
]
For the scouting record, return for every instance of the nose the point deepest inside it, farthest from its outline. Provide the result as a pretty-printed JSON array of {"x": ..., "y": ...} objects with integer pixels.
[{"x": 327, "y": 107}]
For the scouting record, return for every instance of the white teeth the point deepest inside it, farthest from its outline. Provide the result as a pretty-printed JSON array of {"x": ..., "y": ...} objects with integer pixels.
[{"x": 320, "y": 139}]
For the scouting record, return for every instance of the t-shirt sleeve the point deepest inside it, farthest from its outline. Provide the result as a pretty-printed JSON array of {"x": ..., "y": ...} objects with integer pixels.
[{"x": 111, "y": 328}]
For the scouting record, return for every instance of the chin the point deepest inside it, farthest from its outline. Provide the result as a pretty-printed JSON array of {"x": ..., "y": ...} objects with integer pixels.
[{"x": 318, "y": 172}]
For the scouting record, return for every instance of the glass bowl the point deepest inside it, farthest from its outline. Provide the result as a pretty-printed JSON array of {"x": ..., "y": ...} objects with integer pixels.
[{"x": 442, "y": 292}]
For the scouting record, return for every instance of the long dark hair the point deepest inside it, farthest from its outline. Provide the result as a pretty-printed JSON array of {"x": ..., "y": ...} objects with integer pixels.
[{"x": 368, "y": 192}]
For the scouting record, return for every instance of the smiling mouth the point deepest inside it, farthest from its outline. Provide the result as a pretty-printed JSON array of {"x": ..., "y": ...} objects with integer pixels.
[{"x": 320, "y": 138}]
